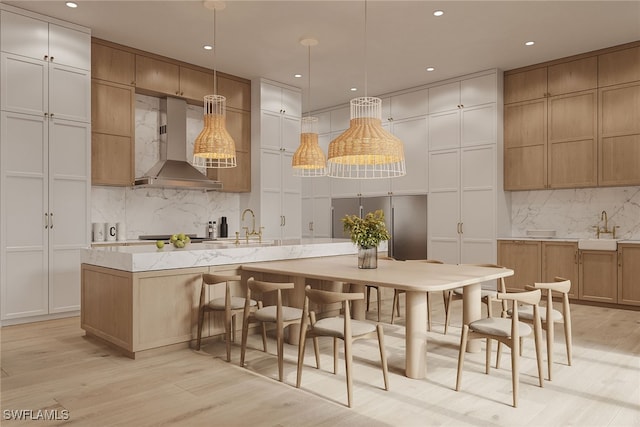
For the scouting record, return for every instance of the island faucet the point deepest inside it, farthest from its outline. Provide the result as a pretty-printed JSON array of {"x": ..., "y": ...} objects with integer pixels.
[{"x": 253, "y": 231}]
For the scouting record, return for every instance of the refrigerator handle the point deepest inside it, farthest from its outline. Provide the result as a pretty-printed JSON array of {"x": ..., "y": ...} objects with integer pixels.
[
  {"x": 333, "y": 232},
  {"x": 390, "y": 251}
]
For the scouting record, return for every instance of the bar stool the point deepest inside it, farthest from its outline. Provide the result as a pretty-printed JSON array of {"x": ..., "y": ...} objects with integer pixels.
[{"x": 228, "y": 304}]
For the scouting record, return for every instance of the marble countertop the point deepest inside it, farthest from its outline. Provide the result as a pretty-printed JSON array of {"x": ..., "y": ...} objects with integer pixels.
[
  {"x": 137, "y": 258},
  {"x": 561, "y": 239}
]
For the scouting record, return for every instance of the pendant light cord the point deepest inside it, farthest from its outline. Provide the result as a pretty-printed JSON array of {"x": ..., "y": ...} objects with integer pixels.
[
  {"x": 215, "y": 48},
  {"x": 309, "y": 81},
  {"x": 365, "y": 48}
]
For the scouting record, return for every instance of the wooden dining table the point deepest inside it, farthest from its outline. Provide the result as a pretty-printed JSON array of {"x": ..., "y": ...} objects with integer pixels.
[{"x": 414, "y": 277}]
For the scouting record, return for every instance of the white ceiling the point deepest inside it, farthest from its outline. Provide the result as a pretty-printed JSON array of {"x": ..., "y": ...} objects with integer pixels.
[{"x": 261, "y": 38}]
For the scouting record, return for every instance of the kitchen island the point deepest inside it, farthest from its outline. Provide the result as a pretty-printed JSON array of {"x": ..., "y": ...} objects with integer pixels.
[{"x": 140, "y": 298}]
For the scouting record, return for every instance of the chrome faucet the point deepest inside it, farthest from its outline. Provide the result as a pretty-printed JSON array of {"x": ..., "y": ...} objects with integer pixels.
[{"x": 253, "y": 231}]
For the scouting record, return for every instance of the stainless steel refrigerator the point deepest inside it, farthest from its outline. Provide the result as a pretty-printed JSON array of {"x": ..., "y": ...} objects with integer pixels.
[{"x": 405, "y": 217}]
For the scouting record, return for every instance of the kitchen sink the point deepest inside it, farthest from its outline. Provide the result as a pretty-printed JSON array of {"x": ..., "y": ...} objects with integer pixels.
[{"x": 598, "y": 244}]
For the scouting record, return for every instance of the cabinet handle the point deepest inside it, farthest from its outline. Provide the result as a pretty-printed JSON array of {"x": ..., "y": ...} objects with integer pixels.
[
  {"x": 311, "y": 226},
  {"x": 51, "y": 59},
  {"x": 461, "y": 230},
  {"x": 46, "y": 220},
  {"x": 284, "y": 220},
  {"x": 46, "y": 114},
  {"x": 51, "y": 115},
  {"x": 46, "y": 57},
  {"x": 181, "y": 93},
  {"x": 51, "y": 220},
  {"x": 461, "y": 105}
]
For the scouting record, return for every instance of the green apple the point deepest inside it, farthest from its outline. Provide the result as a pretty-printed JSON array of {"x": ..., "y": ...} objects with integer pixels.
[
  {"x": 178, "y": 244},
  {"x": 160, "y": 244},
  {"x": 182, "y": 236},
  {"x": 173, "y": 238}
]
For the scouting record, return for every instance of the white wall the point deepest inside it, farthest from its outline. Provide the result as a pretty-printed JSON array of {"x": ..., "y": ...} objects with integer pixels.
[
  {"x": 574, "y": 212},
  {"x": 161, "y": 211}
]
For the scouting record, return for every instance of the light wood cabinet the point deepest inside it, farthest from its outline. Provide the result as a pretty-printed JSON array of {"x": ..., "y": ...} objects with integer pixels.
[
  {"x": 195, "y": 85},
  {"x": 238, "y": 94},
  {"x": 628, "y": 274},
  {"x": 155, "y": 77},
  {"x": 524, "y": 258},
  {"x": 560, "y": 259},
  {"x": 599, "y": 276},
  {"x": 112, "y": 64},
  {"x": 619, "y": 138},
  {"x": 550, "y": 126},
  {"x": 619, "y": 67},
  {"x": 573, "y": 122}
]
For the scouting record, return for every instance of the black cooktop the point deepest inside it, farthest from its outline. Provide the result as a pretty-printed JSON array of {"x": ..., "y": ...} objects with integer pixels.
[{"x": 166, "y": 237}]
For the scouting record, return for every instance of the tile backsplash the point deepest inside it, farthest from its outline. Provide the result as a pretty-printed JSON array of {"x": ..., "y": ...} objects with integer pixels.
[
  {"x": 161, "y": 211},
  {"x": 574, "y": 212}
]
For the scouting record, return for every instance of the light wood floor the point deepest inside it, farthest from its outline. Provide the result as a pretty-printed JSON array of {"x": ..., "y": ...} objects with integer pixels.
[{"x": 51, "y": 365}]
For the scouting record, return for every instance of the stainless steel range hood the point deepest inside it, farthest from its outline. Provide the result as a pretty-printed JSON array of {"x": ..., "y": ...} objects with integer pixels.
[{"x": 173, "y": 170}]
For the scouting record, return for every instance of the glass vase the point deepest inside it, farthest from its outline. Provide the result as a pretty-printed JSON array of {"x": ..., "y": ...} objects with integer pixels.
[{"x": 368, "y": 257}]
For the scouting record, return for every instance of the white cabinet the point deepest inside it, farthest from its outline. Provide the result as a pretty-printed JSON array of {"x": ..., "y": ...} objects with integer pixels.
[
  {"x": 45, "y": 175},
  {"x": 414, "y": 136},
  {"x": 276, "y": 196},
  {"x": 465, "y": 198},
  {"x": 316, "y": 199}
]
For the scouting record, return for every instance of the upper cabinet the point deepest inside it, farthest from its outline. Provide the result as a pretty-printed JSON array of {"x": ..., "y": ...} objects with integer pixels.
[
  {"x": 555, "y": 134},
  {"x": 112, "y": 64},
  {"x": 280, "y": 100},
  {"x": 38, "y": 39}
]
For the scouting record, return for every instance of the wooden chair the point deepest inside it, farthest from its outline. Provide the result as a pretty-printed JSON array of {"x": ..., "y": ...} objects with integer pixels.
[
  {"x": 506, "y": 331},
  {"x": 397, "y": 292},
  {"x": 338, "y": 328},
  {"x": 229, "y": 305},
  {"x": 279, "y": 314},
  {"x": 487, "y": 297},
  {"x": 561, "y": 286}
]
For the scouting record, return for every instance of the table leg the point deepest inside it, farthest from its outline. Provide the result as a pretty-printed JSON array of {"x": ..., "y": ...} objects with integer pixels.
[
  {"x": 416, "y": 335},
  {"x": 471, "y": 311},
  {"x": 358, "y": 310}
]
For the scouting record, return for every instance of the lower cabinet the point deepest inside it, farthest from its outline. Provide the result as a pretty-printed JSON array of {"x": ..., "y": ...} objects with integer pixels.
[
  {"x": 524, "y": 258},
  {"x": 628, "y": 274},
  {"x": 599, "y": 276},
  {"x": 146, "y": 310},
  {"x": 560, "y": 259}
]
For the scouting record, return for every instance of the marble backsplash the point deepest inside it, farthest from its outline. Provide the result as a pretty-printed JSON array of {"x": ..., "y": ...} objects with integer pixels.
[
  {"x": 574, "y": 212},
  {"x": 162, "y": 211}
]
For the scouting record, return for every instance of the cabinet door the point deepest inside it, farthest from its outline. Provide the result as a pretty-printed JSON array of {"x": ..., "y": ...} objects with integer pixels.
[
  {"x": 599, "y": 276},
  {"x": 306, "y": 214},
  {"x": 340, "y": 119},
  {"x": 69, "y": 47},
  {"x": 525, "y": 85},
  {"x": 238, "y": 93},
  {"x": 619, "y": 139},
  {"x": 525, "y": 145},
  {"x": 407, "y": 105},
  {"x": 237, "y": 179},
  {"x": 573, "y": 76},
  {"x": 195, "y": 84},
  {"x": 478, "y": 125},
  {"x": 560, "y": 259},
  {"x": 112, "y": 140},
  {"x": 572, "y": 140},
  {"x": 413, "y": 134},
  {"x": 322, "y": 217},
  {"x": 69, "y": 93},
  {"x": 444, "y": 98},
  {"x": 24, "y": 84},
  {"x": 112, "y": 64},
  {"x": 24, "y": 36},
  {"x": 478, "y": 205},
  {"x": 444, "y": 130},
  {"x": 628, "y": 273},
  {"x": 478, "y": 90},
  {"x": 157, "y": 77},
  {"x": 523, "y": 257},
  {"x": 291, "y": 215},
  {"x": 270, "y": 129},
  {"x": 23, "y": 204},
  {"x": 292, "y": 103},
  {"x": 619, "y": 67},
  {"x": 290, "y": 134},
  {"x": 444, "y": 206},
  {"x": 270, "y": 98},
  {"x": 69, "y": 186}
]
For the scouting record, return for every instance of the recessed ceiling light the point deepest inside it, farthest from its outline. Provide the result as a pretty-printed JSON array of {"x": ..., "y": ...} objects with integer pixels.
[
  {"x": 438, "y": 13},
  {"x": 208, "y": 47},
  {"x": 353, "y": 89},
  {"x": 430, "y": 69},
  {"x": 71, "y": 4},
  {"x": 297, "y": 76},
  {"x": 529, "y": 43}
]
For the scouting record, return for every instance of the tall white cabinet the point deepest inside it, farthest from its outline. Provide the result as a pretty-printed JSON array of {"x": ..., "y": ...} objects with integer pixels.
[
  {"x": 466, "y": 203},
  {"x": 275, "y": 196},
  {"x": 45, "y": 171}
]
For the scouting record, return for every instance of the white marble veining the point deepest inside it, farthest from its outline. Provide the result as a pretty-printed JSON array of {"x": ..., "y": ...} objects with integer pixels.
[
  {"x": 162, "y": 211},
  {"x": 574, "y": 212},
  {"x": 148, "y": 258}
]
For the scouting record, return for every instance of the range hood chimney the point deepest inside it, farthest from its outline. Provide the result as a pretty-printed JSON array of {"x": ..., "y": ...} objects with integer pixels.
[{"x": 173, "y": 170}]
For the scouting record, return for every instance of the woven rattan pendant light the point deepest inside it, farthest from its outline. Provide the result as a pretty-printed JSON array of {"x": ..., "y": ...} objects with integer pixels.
[
  {"x": 366, "y": 150},
  {"x": 214, "y": 147},
  {"x": 309, "y": 160}
]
